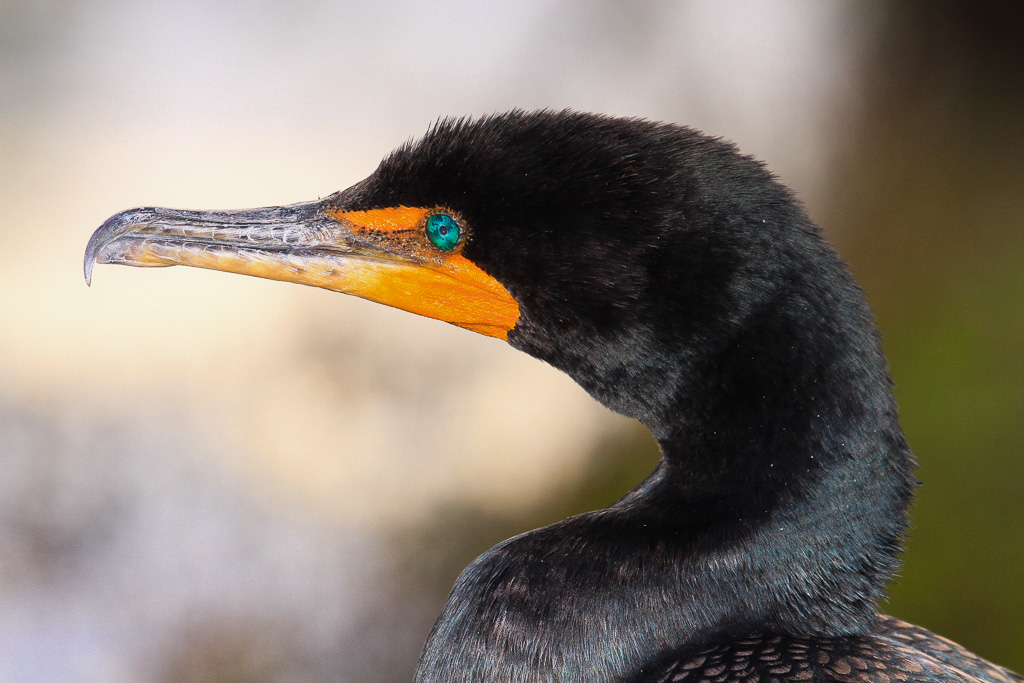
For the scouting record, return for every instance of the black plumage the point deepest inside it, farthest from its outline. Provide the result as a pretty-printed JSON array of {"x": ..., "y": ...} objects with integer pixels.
[
  {"x": 893, "y": 652},
  {"x": 680, "y": 284}
]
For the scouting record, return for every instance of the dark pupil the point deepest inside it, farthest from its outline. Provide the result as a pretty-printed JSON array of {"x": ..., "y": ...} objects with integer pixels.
[{"x": 443, "y": 230}]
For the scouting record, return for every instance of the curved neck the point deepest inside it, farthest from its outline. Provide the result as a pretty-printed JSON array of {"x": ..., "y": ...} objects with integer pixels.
[
  {"x": 688, "y": 558},
  {"x": 779, "y": 505}
]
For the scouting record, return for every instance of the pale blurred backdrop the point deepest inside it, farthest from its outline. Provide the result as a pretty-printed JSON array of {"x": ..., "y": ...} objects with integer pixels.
[{"x": 205, "y": 477}]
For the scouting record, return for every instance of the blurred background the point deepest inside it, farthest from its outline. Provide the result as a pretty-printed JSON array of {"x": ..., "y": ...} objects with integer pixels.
[{"x": 212, "y": 478}]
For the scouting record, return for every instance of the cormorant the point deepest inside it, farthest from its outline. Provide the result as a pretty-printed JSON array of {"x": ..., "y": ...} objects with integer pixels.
[{"x": 680, "y": 284}]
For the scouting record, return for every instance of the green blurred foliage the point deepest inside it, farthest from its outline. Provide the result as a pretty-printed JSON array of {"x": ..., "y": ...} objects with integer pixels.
[{"x": 929, "y": 210}]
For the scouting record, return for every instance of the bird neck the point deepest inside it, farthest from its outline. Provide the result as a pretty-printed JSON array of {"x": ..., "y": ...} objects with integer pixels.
[
  {"x": 779, "y": 506},
  {"x": 784, "y": 463},
  {"x": 788, "y": 523}
]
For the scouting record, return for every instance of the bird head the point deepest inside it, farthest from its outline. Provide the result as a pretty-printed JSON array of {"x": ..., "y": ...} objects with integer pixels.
[{"x": 607, "y": 247}]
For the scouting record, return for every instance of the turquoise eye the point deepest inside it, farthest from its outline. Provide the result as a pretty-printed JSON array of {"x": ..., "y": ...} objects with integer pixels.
[{"x": 442, "y": 231}]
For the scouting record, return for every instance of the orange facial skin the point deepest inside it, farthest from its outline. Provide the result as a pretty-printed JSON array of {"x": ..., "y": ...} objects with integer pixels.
[{"x": 443, "y": 285}]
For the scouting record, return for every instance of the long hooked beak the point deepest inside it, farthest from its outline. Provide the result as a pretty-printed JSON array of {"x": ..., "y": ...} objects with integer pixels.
[{"x": 315, "y": 244}]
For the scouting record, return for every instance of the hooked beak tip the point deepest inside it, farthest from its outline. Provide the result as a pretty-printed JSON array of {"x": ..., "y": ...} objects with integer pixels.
[
  {"x": 113, "y": 227},
  {"x": 88, "y": 270}
]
